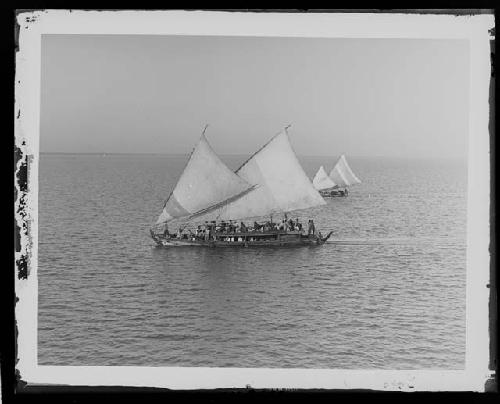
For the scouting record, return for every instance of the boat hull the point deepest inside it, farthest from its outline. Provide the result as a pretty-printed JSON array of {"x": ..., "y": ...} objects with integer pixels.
[
  {"x": 269, "y": 239},
  {"x": 334, "y": 194}
]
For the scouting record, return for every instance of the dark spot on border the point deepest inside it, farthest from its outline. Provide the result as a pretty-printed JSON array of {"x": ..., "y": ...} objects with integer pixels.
[
  {"x": 22, "y": 176},
  {"x": 21, "y": 162},
  {"x": 20, "y": 384},
  {"x": 490, "y": 386},
  {"x": 22, "y": 267}
]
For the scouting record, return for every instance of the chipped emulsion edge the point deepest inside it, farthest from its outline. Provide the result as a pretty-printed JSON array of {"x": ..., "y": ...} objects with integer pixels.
[
  {"x": 22, "y": 160},
  {"x": 26, "y": 119}
]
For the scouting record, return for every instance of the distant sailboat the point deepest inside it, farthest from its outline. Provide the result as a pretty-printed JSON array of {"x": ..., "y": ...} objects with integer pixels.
[
  {"x": 322, "y": 181},
  {"x": 337, "y": 182},
  {"x": 342, "y": 174},
  {"x": 271, "y": 181}
]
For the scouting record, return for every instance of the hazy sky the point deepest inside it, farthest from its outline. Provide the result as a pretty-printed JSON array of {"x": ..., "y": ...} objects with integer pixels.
[{"x": 154, "y": 94}]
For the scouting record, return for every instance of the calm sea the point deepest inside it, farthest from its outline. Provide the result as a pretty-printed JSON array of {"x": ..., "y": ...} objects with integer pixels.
[{"x": 391, "y": 295}]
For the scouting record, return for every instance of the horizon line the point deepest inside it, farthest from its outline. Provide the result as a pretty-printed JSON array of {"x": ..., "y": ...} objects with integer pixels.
[{"x": 242, "y": 154}]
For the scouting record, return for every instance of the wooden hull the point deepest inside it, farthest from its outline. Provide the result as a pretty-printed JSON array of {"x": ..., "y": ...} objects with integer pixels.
[
  {"x": 334, "y": 194},
  {"x": 257, "y": 239}
]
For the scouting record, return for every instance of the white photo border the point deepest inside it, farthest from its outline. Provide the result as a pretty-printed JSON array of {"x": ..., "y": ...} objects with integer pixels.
[{"x": 474, "y": 28}]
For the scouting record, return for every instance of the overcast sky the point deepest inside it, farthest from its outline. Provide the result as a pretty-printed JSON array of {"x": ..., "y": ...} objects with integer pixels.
[{"x": 154, "y": 94}]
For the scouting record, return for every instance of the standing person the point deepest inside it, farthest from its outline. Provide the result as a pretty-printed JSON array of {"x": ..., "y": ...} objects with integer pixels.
[
  {"x": 299, "y": 225},
  {"x": 243, "y": 227},
  {"x": 311, "y": 229}
]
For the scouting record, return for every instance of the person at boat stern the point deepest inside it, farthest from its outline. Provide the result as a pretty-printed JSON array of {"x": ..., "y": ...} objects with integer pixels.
[{"x": 311, "y": 229}]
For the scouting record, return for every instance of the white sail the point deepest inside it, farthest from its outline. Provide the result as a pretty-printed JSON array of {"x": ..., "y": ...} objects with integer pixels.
[
  {"x": 281, "y": 185},
  {"x": 342, "y": 174},
  {"x": 322, "y": 181},
  {"x": 206, "y": 181}
]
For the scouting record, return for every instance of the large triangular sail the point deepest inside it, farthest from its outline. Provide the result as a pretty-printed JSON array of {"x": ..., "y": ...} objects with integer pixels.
[
  {"x": 205, "y": 182},
  {"x": 281, "y": 185},
  {"x": 342, "y": 174},
  {"x": 322, "y": 181}
]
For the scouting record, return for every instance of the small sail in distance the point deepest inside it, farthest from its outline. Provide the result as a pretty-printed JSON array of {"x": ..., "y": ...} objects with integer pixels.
[
  {"x": 322, "y": 181},
  {"x": 342, "y": 174}
]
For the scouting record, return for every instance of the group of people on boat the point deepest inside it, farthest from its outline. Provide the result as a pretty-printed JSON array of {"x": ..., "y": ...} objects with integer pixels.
[
  {"x": 335, "y": 192},
  {"x": 209, "y": 230}
]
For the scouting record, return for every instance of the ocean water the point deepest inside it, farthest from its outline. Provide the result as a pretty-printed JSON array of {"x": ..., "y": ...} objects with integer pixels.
[{"x": 386, "y": 292}]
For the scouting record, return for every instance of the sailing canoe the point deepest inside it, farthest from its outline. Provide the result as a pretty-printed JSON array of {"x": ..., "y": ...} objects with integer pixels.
[
  {"x": 335, "y": 183},
  {"x": 271, "y": 181}
]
